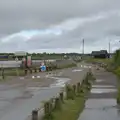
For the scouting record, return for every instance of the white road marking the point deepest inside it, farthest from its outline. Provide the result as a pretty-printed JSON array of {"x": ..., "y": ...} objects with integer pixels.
[
  {"x": 77, "y": 70},
  {"x": 103, "y": 86},
  {"x": 99, "y": 91}
]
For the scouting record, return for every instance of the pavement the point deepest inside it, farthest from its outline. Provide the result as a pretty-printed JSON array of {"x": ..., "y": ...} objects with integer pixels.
[
  {"x": 18, "y": 97},
  {"x": 101, "y": 103}
]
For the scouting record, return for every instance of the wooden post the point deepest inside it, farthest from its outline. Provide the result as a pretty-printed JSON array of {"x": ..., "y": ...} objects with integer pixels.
[
  {"x": 57, "y": 103},
  {"x": 31, "y": 71},
  {"x": 78, "y": 87},
  {"x": 25, "y": 71},
  {"x": 39, "y": 69},
  {"x": 61, "y": 97},
  {"x": 35, "y": 115},
  {"x": 46, "y": 108},
  {"x": 3, "y": 74},
  {"x": 74, "y": 88}
]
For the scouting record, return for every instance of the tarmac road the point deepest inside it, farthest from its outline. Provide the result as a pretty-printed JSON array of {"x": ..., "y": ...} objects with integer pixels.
[{"x": 17, "y": 100}]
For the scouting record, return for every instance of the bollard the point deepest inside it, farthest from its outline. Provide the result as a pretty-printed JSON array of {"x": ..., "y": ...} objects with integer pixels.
[
  {"x": 35, "y": 115},
  {"x": 69, "y": 92},
  {"x": 74, "y": 88},
  {"x": 47, "y": 69},
  {"x": 3, "y": 74},
  {"x": 46, "y": 108},
  {"x": 78, "y": 87},
  {"x": 61, "y": 97},
  {"x": 57, "y": 104},
  {"x": 35, "y": 70},
  {"x": 25, "y": 71},
  {"x": 39, "y": 70},
  {"x": 50, "y": 106},
  {"x": 31, "y": 71}
]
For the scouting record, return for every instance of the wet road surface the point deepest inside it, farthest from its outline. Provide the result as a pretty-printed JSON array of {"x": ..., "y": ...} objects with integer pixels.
[
  {"x": 18, "y": 101},
  {"x": 101, "y": 103},
  {"x": 19, "y": 107}
]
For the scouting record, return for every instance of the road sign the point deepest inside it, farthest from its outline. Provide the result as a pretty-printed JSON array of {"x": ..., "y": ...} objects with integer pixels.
[{"x": 43, "y": 68}]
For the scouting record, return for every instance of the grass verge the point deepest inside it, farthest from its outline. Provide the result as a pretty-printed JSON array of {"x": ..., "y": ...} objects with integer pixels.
[
  {"x": 99, "y": 60},
  {"x": 73, "y": 103},
  {"x": 70, "y": 109}
]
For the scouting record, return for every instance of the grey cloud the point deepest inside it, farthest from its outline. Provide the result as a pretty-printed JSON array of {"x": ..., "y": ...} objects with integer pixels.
[{"x": 17, "y": 15}]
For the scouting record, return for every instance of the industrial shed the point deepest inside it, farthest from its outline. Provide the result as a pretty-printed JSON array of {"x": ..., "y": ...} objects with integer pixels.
[{"x": 100, "y": 54}]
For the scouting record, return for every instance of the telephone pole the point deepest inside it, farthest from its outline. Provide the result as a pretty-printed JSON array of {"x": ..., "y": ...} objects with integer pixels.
[
  {"x": 83, "y": 47},
  {"x": 109, "y": 47}
]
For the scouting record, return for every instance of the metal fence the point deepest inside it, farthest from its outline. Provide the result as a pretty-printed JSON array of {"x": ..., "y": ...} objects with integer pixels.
[{"x": 15, "y": 64}]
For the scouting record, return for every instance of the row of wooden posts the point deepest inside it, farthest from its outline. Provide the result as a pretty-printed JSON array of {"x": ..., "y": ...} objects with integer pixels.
[
  {"x": 35, "y": 70},
  {"x": 71, "y": 92},
  {"x": 30, "y": 70}
]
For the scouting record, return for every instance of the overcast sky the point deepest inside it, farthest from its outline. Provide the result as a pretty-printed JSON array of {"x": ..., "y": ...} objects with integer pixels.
[{"x": 59, "y": 25}]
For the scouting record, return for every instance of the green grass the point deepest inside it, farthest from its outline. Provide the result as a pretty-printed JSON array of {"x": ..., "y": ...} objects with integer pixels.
[
  {"x": 13, "y": 72},
  {"x": 67, "y": 66},
  {"x": 74, "y": 102},
  {"x": 118, "y": 93},
  {"x": 70, "y": 109},
  {"x": 99, "y": 60}
]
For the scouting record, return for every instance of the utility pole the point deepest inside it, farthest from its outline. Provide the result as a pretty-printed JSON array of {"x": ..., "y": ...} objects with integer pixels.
[
  {"x": 83, "y": 47},
  {"x": 109, "y": 47}
]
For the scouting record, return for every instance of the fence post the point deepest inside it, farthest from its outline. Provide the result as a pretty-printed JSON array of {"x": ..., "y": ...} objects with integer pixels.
[
  {"x": 74, "y": 88},
  {"x": 31, "y": 71},
  {"x": 46, "y": 108},
  {"x": 25, "y": 71},
  {"x": 78, "y": 87},
  {"x": 35, "y": 115},
  {"x": 35, "y": 70},
  {"x": 57, "y": 103},
  {"x": 61, "y": 97},
  {"x": 39, "y": 69},
  {"x": 3, "y": 73}
]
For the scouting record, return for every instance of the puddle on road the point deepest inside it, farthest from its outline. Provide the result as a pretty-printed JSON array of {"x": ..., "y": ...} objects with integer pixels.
[
  {"x": 84, "y": 66},
  {"x": 60, "y": 82},
  {"x": 77, "y": 70},
  {"x": 54, "y": 74},
  {"x": 99, "y": 91},
  {"x": 100, "y": 109},
  {"x": 99, "y": 80}
]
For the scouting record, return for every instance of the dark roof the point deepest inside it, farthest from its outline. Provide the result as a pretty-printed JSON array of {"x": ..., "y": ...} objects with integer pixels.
[{"x": 99, "y": 52}]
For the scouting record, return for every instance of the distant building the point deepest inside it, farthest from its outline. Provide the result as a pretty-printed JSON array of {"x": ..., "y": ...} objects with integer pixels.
[
  {"x": 20, "y": 54},
  {"x": 100, "y": 54}
]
